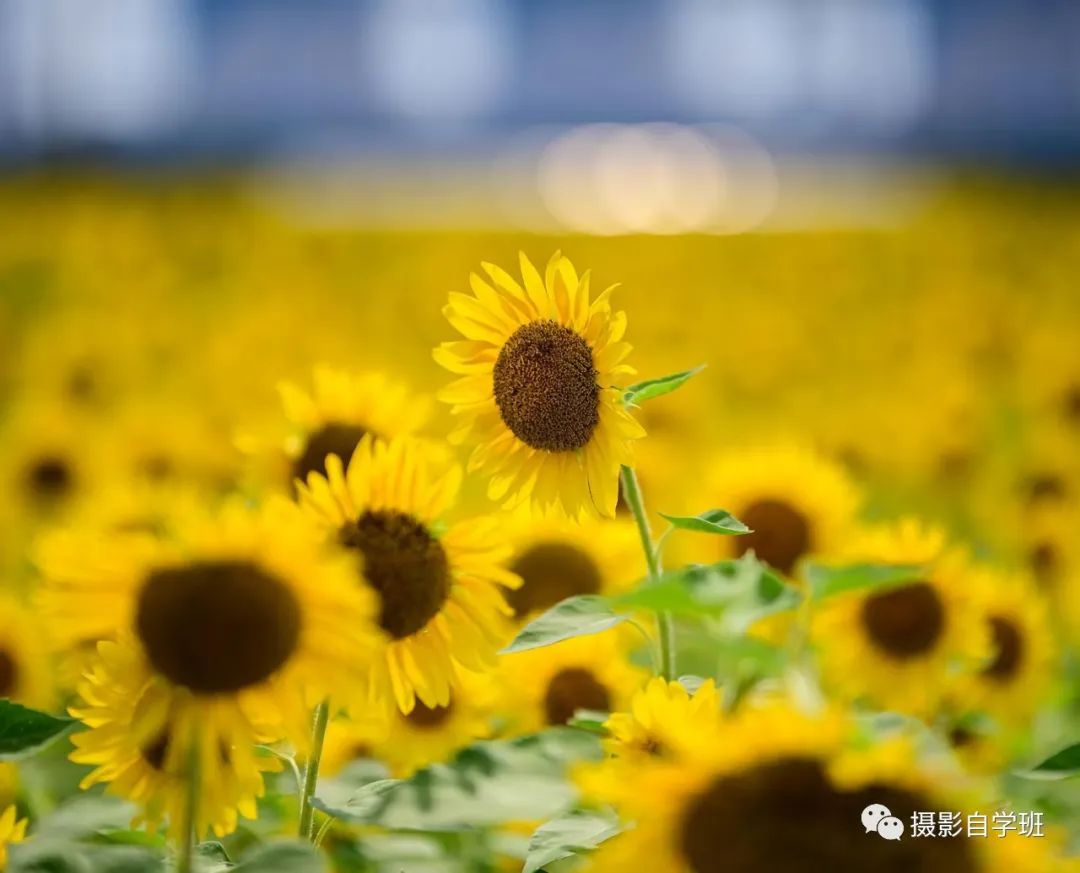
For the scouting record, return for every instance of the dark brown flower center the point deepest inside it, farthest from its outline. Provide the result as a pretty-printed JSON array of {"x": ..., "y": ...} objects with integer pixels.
[
  {"x": 905, "y": 622},
  {"x": 545, "y": 387},
  {"x": 785, "y": 815},
  {"x": 405, "y": 564},
  {"x": 50, "y": 478},
  {"x": 573, "y": 689},
  {"x": 9, "y": 674},
  {"x": 781, "y": 533},
  {"x": 1009, "y": 648},
  {"x": 551, "y": 572},
  {"x": 217, "y": 626},
  {"x": 1045, "y": 487},
  {"x": 429, "y": 717},
  {"x": 331, "y": 439}
]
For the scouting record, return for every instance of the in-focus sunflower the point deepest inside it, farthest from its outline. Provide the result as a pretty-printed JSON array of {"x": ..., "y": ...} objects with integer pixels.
[
  {"x": 1015, "y": 679},
  {"x": 408, "y": 742},
  {"x": 331, "y": 419},
  {"x": 664, "y": 720},
  {"x": 796, "y": 502},
  {"x": 769, "y": 793},
  {"x": 12, "y": 830},
  {"x": 141, "y": 728},
  {"x": 544, "y": 687},
  {"x": 904, "y": 647},
  {"x": 558, "y": 558},
  {"x": 242, "y": 610},
  {"x": 439, "y": 585},
  {"x": 541, "y": 367},
  {"x": 25, "y": 675}
]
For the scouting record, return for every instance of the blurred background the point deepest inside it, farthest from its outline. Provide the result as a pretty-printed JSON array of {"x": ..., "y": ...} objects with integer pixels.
[{"x": 860, "y": 213}]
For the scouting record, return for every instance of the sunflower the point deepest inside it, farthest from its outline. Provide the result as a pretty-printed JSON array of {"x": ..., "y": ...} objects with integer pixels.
[
  {"x": 546, "y": 686},
  {"x": 439, "y": 585},
  {"x": 664, "y": 719},
  {"x": 242, "y": 611},
  {"x": 25, "y": 675},
  {"x": 796, "y": 502},
  {"x": 1011, "y": 684},
  {"x": 903, "y": 647},
  {"x": 426, "y": 735},
  {"x": 331, "y": 419},
  {"x": 776, "y": 789},
  {"x": 12, "y": 830},
  {"x": 558, "y": 558},
  {"x": 141, "y": 730},
  {"x": 539, "y": 393}
]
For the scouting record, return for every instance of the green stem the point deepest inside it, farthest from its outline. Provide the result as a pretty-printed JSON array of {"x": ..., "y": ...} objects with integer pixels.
[
  {"x": 185, "y": 862},
  {"x": 311, "y": 773},
  {"x": 633, "y": 498}
]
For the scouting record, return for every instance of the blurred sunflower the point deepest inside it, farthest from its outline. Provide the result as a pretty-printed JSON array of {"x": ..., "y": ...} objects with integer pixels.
[
  {"x": 558, "y": 558},
  {"x": 426, "y": 735},
  {"x": 546, "y": 686},
  {"x": 241, "y": 610},
  {"x": 1015, "y": 679},
  {"x": 767, "y": 795},
  {"x": 140, "y": 743},
  {"x": 439, "y": 587},
  {"x": 541, "y": 368},
  {"x": 664, "y": 720},
  {"x": 25, "y": 675},
  {"x": 796, "y": 502},
  {"x": 903, "y": 647},
  {"x": 12, "y": 830}
]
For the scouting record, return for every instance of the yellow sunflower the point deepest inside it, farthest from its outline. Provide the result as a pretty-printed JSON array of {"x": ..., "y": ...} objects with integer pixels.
[
  {"x": 439, "y": 585},
  {"x": 541, "y": 367},
  {"x": 1016, "y": 678},
  {"x": 426, "y": 735},
  {"x": 797, "y": 503},
  {"x": 664, "y": 720},
  {"x": 546, "y": 686},
  {"x": 775, "y": 790},
  {"x": 242, "y": 610},
  {"x": 141, "y": 730},
  {"x": 558, "y": 558},
  {"x": 331, "y": 419},
  {"x": 904, "y": 647},
  {"x": 25, "y": 674},
  {"x": 12, "y": 830}
]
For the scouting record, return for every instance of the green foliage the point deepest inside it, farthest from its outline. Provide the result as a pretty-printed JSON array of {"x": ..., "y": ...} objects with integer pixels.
[
  {"x": 574, "y": 617},
  {"x": 569, "y": 835},
  {"x": 25, "y": 731},
  {"x": 487, "y": 784},
  {"x": 828, "y": 581},
  {"x": 1064, "y": 764},
  {"x": 638, "y": 393},
  {"x": 714, "y": 521}
]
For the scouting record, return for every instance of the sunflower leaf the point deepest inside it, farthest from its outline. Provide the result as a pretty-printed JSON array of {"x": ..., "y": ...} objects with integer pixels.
[
  {"x": 25, "y": 731},
  {"x": 639, "y": 392},
  {"x": 714, "y": 521},
  {"x": 487, "y": 784},
  {"x": 578, "y": 616},
  {"x": 1064, "y": 764},
  {"x": 569, "y": 835},
  {"x": 825, "y": 581}
]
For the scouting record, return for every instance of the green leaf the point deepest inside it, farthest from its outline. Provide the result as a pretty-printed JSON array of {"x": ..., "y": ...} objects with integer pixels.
[
  {"x": 283, "y": 857},
  {"x": 737, "y": 593},
  {"x": 487, "y": 784},
  {"x": 25, "y": 731},
  {"x": 1061, "y": 765},
  {"x": 574, "y": 617},
  {"x": 568, "y": 836},
  {"x": 638, "y": 393},
  {"x": 827, "y": 582},
  {"x": 591, "y": 721},
  {"x": 714, "y": 521}
]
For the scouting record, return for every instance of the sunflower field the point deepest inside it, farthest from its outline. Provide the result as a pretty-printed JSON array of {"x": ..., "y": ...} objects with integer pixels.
[{"x": 365, "y": 551}]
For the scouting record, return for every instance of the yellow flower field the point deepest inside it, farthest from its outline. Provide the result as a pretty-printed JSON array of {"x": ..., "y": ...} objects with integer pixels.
[{"x": 359, "y": 550}]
